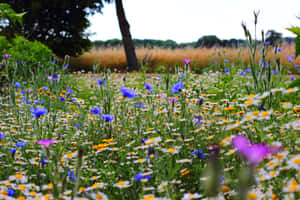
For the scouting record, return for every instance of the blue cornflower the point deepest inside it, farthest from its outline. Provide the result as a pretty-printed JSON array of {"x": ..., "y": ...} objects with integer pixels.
[
  {"x": 148, "y": 87},
  {"x": 177, "y": 87},
  {"x": 226, "y": 70},
  {"x": 96, "y": 110},
  {"x": 275, "y": 72},
  {"x": 61, "y": 99},
  {"x": 290, "y": 59},
  {"x": 12, "y": 151},
  {"x": 73, "y": 99},
  {"x": 2, "y": 135},
  {"x": 126, "y": 92},
  {"x": 21, "y": 144},
  {"x": 158, "y": 78},
  {"x": 44, "y": 161},
  {"x": 242, "y": 73},
  {"x": 199, "y": 154},
  {"x": 45, "y": 88},
  {"x": 279, "y": 49},
  {"x": 226, "y": 60},
  {"x": 140, "y": 105},
  {"x": 266, "y": 64},
  {"x": 292, "y": 78},
  {"x": 140, "y": 177},
  {"x": 10, "y": 192},
  {"x": 38, "y": 112},
  {"x": 17, "y": 84},
  {"x": 248, "y": 70},
  {"x": 107, "y": 117},
  {"x": 267, "y": 42},
  {"x": 77, "y": 125},
  {"x": 69, "y": 91},
  {"x": 101, "y": 82}
]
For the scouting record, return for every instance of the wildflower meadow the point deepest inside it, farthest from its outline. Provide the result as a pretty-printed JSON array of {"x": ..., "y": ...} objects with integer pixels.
[{"x": 229, "y": 133}]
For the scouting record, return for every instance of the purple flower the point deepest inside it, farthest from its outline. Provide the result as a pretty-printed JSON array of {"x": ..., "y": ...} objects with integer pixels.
[
  {"x": 279, "y": 49},
  {"x": 226, "y": 70},
  {"x": 126, "y": 92},
  {"x": 186, "y": 61},
  {"x": 46, "y": 143},
  {"x": 38, "y": 112},
  {"x": 107, "y": 117},
  {"x": 242, "y": 73},
  {"x": 292, "y": 78},
  {"x": 96, "y": 110},
  {"x": 177, "y": 87},
  {"x": 267, "y": 42},
  {"x": 148, "y": 87},
  {"x": 275, "y": 72},
  {"x": 226, "y": 60},
  {"x": 6, "y": 56}
]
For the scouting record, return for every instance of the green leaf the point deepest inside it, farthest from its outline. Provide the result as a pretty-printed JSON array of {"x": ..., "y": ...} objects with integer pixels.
[{"x": 295, "y": 30}]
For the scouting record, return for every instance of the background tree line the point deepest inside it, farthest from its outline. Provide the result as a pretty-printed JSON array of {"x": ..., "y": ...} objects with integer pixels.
[{"x": 205, "y": 41}]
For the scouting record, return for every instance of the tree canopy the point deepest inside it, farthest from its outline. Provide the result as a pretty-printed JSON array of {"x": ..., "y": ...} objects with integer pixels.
[{"x": 59, "y": 24}]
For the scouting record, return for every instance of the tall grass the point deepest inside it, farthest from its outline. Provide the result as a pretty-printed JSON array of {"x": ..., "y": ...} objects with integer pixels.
[{"x": 114, "y": 58}]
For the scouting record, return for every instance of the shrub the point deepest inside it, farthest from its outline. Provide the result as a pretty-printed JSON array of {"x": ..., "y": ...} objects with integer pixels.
[
  {"x": 29, "y": 52},
  {"x": 4, "y": 45}
]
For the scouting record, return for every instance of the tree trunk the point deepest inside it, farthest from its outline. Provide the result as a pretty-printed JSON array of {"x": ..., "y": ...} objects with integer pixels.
[{"x": 126, "y": 37}]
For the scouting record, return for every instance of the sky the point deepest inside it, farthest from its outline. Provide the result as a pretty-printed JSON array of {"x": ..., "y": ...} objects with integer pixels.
[{"x": 188, "y": 20}]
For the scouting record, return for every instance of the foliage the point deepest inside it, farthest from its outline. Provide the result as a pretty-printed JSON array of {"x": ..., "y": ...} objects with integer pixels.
[
  {"x": 4, "y": 44},
  {"x": 296, "y": 30},
  {"x": 9, "y": 16},
  {"x": 29, "y": 52},
  {"x": 58, "y": 24}
]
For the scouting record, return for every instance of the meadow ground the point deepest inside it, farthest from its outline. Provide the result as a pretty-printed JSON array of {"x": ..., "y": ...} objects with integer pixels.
[{"x": 150, "y": 136}]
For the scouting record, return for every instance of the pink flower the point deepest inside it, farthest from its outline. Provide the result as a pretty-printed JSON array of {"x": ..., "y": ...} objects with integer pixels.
[
  {"x": 6, "y": 56},
  {"x": 254, "y": 153},
  {"x": 173, "y": 99},
  {"x": 46, "y": 143},
  {"x": 186, "y": 61}
]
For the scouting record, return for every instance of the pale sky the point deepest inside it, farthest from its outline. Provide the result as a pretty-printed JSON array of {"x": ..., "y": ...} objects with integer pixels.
[{"x": 188, "y": 20}]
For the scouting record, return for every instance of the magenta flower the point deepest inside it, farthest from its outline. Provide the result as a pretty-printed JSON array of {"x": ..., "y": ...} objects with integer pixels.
[
  {"x": 46, "y": 143},
  {"x": 6, "y": 56},
  {"x": 173, "y": 99},
  {"x": 254, "y": 153},
  {"x": 186, "y": 61}
]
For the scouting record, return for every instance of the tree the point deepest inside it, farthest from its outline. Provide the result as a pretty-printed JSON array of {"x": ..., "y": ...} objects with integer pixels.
[
  {"x": 59, "y": 24},
  {"x": 208, "y": 41},
  {"x": 273, "y": 37},
  {"x": 126, "y": 37}
]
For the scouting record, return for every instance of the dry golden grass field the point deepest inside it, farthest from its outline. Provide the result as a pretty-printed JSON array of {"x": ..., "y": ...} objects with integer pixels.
[{"x": 114, "y": 58}]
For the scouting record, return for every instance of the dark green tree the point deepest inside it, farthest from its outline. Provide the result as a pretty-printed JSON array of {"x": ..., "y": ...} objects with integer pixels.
[
  {"x": 59, "y": 24},
  {"x": 208, "y": 41},
  {"x": 273, "y": 37}
]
